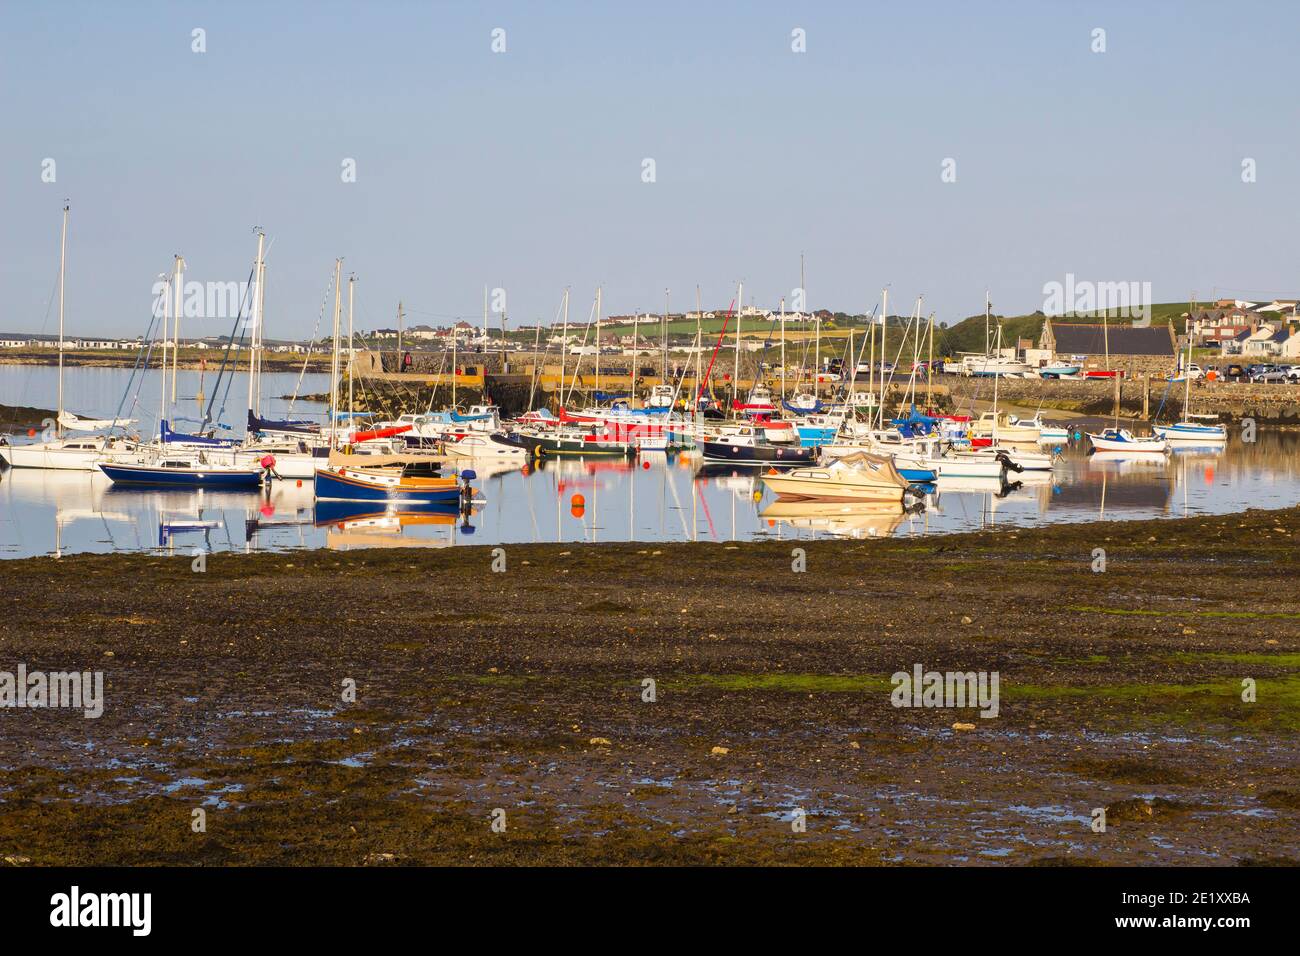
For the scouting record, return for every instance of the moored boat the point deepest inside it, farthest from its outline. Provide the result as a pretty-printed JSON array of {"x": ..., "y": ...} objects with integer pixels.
[
  {"x": 383, "y": 484},
  {"x": 182, "y": 471},
  {"x": 857, "y": 477},
  {"x": 1121, "y": 439}
]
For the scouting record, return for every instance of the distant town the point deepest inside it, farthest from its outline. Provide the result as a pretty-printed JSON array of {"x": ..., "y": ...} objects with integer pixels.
[{"x": 1232, "y": 327}]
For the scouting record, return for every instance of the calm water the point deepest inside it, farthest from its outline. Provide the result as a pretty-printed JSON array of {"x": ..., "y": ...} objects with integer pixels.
[{"x": 661, "y": 498}]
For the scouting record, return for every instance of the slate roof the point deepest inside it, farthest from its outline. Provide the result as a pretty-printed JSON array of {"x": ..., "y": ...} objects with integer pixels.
[{"x": 1091, "y": 339}]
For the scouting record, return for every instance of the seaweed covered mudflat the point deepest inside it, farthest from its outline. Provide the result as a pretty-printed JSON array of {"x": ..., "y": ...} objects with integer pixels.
[{"x": 1134, "y": 697}]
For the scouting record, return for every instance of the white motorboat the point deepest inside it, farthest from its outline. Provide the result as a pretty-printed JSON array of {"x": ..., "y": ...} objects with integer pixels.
[
  {"x": 1002, "y": 427},
  {"x": 1047, "y": 434},
  {"x": 478, "y": 445},
  {"x": 1018, "y": 458},
  {"x": 1121, "y": 439},
  {"x": 66, "y": 454},
  {"x": 856, "y": 477}
]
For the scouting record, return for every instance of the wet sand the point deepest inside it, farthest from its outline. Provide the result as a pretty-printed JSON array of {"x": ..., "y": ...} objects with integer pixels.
[{"x": 523, "y": 692}]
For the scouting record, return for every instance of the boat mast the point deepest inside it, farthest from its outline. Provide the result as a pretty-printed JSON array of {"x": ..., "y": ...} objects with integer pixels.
[
  {"x": 257, "y": 320},
  {"x": 334, "y": 360},
  {"x": 929, "y": 368},
  {"x": 884, "y": 354},
  {"x": 782, "y": 347},
  {"x": 663, "y": 333},
  {"x": 63, "y": 261},
  {"x": 871, "y": 361},
  {"x": 564, "y": 344},
  {"x": 176, "y": 323},
  {"x": 699, "y": 346},
  {"x": 996, "y": 377},
  {"x": 735, "y": 372},
  {"x": 261, "y": 333},
  {"x": 598, "y": 340},
  {"x": 351, "y": 282},
  {"x": 455, "y": 369}
]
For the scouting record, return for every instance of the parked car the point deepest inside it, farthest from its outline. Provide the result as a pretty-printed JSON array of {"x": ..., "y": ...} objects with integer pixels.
[
  {"x": 1293, "y": 373},
  {"x": 1270, "y": 374},
  {"x": 1233, "y": 373}
]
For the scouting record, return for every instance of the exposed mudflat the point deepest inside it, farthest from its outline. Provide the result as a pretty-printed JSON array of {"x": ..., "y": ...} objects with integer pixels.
[{"x": 523, "y": 691}]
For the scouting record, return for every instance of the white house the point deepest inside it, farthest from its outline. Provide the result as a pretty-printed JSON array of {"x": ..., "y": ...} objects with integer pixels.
[{"x": 1266, "y": 341}]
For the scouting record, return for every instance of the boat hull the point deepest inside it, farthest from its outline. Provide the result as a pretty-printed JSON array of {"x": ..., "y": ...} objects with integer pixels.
[
  {"x": 49, "y": 455},
  {"x": 572, "y": 447},
  {"x": 779, "y": 455},
  {"x": 332, "y": 486},
  {"x": 1199, "y": 434},
  {"x": 1146, "y": 446},
  {"x": 147, "y": 475}
]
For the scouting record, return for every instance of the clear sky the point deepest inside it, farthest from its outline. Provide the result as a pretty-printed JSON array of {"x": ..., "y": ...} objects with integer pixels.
[{"x": 524, "y": 169}]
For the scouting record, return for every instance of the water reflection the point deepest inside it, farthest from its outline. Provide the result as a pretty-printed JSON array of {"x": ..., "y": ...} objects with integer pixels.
[{"x": 655, "y": 498}]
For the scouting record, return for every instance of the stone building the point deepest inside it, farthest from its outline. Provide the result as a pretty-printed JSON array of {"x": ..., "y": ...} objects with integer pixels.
[{"x": 1130, "y": 349}]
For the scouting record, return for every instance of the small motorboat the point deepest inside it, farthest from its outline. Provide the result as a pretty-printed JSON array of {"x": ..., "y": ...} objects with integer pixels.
[
  {"x": 1004, "y": 427},
  {"x": 478, "y": 445},
  {"x": 1121, "y": 439},
  {"x": 856, "y": 477},
  {"x": 1017, "y": 458},
  {"x": 1047, "y": 434}
]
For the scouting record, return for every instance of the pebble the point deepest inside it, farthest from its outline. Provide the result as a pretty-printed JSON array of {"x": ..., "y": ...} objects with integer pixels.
[
  {"x": 599, "y": 741},
  {"x": 961, "y": 726},
  {"x": 719, "y": 751},
  {"x": 965, "y": 620}
]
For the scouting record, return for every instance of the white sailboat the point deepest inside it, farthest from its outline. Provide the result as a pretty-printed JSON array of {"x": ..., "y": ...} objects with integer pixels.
[
  {"x": 64, "y": 453},
  {"x": 1192, "y": 429}
]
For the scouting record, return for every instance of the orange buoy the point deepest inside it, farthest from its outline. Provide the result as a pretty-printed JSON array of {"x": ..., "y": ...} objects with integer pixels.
[
  {"x": 577, "y": 511},
  {"x": 299, "y": 483},
  {"x": 31, "y": 433},
  {"x": 645, "y": 464},
  {"x": 578, "y": 501}
]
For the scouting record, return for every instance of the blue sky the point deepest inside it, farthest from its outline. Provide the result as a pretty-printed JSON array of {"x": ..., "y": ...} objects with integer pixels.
[{"x": 523, "y": 170}]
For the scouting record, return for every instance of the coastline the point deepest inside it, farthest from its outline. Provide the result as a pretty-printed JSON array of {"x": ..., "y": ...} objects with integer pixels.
[{"x": 523, "y": 691}]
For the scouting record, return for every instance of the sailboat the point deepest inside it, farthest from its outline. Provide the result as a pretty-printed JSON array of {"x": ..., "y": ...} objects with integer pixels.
[
  {"x": 1192, "y": 429},
  {"x": 64, "y": 453},
  {"x": 343, "y": 481}
]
